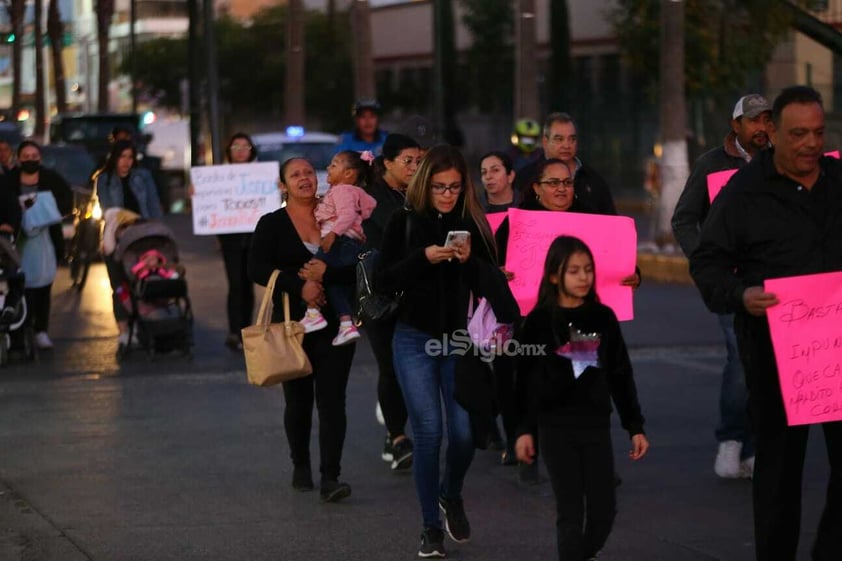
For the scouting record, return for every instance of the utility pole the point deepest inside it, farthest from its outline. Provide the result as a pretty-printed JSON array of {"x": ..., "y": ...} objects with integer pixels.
[
  {"x": 673, "y": 117},
  {"x": 133, "y": 52},
  {"x": 526, "y": 70},
  {"x": 40, "y": 90},
  {"x": 212, "y": 81},
  {"x": 294, "y": 99},
  {"x": 195, "y": 92},
  {"x": 363, "y": 58}
]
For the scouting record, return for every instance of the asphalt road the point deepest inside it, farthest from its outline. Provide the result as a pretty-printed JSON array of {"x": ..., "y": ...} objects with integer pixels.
[{"x": 176, "y": 459}]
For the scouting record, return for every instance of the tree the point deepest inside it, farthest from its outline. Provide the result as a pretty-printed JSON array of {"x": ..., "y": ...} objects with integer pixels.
[
  {"x": 16, "y": 8},
  {"x": 38, "y": 45},
  {"x": 560, "y": 76},
  {"x": 726, "y": 41},
  {"x": 55, "y": 31},
  {"x": 104, "y": 13},
  {"x": 490, "y": 60}
]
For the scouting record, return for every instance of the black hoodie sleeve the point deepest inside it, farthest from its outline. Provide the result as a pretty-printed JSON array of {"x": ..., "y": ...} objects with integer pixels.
[{"x": 618, "y": 368}]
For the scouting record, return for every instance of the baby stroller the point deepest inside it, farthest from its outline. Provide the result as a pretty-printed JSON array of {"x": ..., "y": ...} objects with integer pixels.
[
  {"x": 160, "y": 315},
  {"x": 15, "y": 332}
]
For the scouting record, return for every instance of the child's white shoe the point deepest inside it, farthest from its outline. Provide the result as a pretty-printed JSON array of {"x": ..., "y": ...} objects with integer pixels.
[
  {"x": 313, "y": 320},
  {"x": 347, "y": 334}
]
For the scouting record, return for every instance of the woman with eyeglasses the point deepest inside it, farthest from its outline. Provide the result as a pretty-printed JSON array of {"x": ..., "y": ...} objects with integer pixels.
[
  {"x": 235, "y": 248},
  {"x": 437, "y": 279},
  {"x": 393, "y": 171}
]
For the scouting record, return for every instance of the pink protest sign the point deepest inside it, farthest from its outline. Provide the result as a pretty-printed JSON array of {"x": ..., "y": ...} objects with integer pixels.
[
  {"x": 612, "y": 239},
  {"x": 717, "y": 180},
  {"x": 495, "y": 219},
  {"x": 806, "y": 329},
  {"x": 834, "y": 154}
]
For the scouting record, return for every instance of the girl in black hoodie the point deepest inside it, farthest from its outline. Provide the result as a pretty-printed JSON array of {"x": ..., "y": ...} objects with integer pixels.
[{"x": 565, "y": 393}]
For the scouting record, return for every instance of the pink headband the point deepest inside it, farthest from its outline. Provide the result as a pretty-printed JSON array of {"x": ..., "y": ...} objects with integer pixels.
[{"x": 367, "y": 156}]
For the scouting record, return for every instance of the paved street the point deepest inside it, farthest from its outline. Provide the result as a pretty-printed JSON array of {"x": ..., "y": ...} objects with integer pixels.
[{"x": 176, "y": 459}]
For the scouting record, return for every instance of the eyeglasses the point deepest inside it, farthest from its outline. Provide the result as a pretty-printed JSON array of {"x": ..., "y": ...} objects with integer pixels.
[
  {"x": 240, "y": 148},
  {"x": 454, "y": 188},
  {"x": 555, "y": 182},
  {"x": 409, "y": 160}
]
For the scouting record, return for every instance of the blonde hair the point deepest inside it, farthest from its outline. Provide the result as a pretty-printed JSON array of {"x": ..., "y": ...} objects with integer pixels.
[{"x": 419, "y": 192}]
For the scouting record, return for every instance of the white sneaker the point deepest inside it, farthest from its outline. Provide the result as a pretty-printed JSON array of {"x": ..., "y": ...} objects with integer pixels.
[
  {"x": 747, "y": 468},
  {"x": 42, "y": 340},
  {"x": 313, "y": 321},
  {"x": 347, "y": 334},
  {"x": 378, "y": 412},
  {"x": 727, "y": 463}
]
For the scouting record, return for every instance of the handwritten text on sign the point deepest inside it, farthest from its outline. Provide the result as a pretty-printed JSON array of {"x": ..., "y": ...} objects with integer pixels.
[
  {"x": 806, "y": 330},
  {"x": 612, "y": 240},
  {"x": 230, "y": 199}
]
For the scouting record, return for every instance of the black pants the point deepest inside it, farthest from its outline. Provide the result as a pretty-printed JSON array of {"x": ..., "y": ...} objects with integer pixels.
[
  {"x": 778, "y": 470},
  {"x": 506, "y": 396},
  {"x": 388, "y": 390},
  {"x": 38, "y": 306},
  {"x": 117, "y": 278},
  {"x": 240, "y": 303},
  {"x": 580, "y": 463},
  {"x": 326, "y": 386}
]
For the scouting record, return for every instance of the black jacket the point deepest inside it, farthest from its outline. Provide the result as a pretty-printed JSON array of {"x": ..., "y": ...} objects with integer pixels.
[
  {"x": 591, "y": 189},
  {"x": 276, "y": 244},
  {"x": 48, "y": 180},
  {"x": 549, "y": 393},
  {"x": 693, "y": 205},
  {"x": 765, "y": 225},
  {"x": 388, "y": 201},
  {"x": 435, "y": 298}
]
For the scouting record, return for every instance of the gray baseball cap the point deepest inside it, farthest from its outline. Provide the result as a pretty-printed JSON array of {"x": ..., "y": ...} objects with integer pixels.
[{"x": 751, "y": 106}]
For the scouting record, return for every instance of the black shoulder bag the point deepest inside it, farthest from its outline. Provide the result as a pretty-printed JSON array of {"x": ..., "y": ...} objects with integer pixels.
[{"x": 371, "y": 304}]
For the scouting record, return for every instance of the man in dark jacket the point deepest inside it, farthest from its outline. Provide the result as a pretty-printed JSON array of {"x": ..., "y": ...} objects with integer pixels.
[
  {"x": 780, "y": 216},
  {"x": 750, "y": 123},
  {"x": 561, "y": 141}
]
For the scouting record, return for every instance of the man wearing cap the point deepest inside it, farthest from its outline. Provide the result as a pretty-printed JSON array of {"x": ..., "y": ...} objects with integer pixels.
[
  {"x": 561, "y": 141},
  {"x": 749, "y": 134},
  {"x": 779, "y": 216},
  {"x": 367, "y": 134}
]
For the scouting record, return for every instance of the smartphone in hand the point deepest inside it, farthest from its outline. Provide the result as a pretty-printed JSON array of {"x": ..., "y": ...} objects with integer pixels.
[{"x": 457, "y": 237}]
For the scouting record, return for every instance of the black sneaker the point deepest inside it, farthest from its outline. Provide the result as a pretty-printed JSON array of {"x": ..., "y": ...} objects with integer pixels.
[
  {"x": 334, "y": 491},
  {"x": 455, "y": 521},
  {"x": 388, "y": 453},
  {"x": 402, "y": 455},
  {"x": 432, "y": 544},
  {"x": 302, "y": 479}
]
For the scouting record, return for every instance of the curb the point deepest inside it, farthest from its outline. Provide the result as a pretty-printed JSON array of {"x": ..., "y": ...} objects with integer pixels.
[{"x": 664, "y": 268}]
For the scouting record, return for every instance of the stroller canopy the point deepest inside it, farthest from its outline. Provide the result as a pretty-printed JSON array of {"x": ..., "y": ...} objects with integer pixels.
[{"x": 144, "y": 236}]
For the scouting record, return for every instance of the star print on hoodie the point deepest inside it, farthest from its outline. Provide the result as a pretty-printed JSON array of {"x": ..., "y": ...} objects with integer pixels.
[{"x": 582, "y": 349}]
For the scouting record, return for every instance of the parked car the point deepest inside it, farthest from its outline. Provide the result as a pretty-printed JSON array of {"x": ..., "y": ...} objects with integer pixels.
[{"x": 316, "y": 147}]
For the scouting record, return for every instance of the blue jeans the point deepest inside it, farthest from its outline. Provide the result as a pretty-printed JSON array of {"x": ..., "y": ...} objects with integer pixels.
[
  {"x": 733, "y": 394},
  {"x": 343, "y": 253},
  {"x": 426, "y": 382}
]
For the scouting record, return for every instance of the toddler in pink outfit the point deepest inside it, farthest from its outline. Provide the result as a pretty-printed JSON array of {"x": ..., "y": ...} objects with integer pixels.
[{"x": 340, "y": 215}]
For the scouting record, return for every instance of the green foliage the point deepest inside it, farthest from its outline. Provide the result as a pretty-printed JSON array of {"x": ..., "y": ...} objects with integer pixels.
[
  {"x": 252, "y": 67},
  {"x": 489, "y": 69},
  {"x": 726, "y": 41}
]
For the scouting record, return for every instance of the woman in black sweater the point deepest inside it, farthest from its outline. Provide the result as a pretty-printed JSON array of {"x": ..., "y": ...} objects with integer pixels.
[
  {"x": 436, "y": 280},
  {"x": 393, "y": 170},
  {"x": 286, "y": 240},
  {"x": 572, "y": 363}
]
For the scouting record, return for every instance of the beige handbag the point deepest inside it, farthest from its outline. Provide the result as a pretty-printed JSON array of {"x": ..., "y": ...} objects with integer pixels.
[{"x": 273, "y": 350}]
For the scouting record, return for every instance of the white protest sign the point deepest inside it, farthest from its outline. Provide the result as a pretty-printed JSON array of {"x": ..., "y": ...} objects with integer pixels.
[{"x": 230, "y": 199}]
